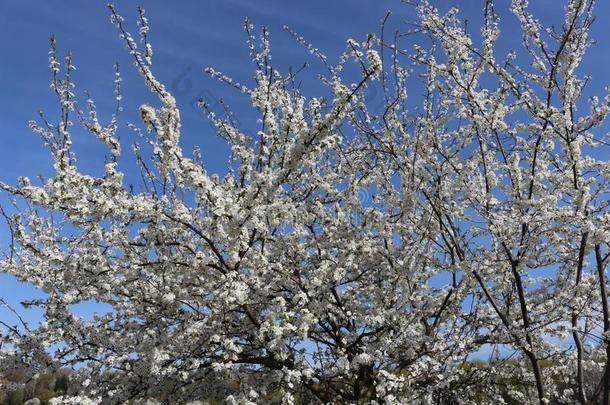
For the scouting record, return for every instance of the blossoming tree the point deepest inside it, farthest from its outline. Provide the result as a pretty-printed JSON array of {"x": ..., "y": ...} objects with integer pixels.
[{"x": 349, "y": 255}]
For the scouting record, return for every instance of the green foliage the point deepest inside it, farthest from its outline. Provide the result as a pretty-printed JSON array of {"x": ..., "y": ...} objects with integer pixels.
[{"x": 44, "y": 387}]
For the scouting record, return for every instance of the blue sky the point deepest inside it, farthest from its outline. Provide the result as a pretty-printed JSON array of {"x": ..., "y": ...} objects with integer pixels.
[{"x": 187, "y": 36}]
